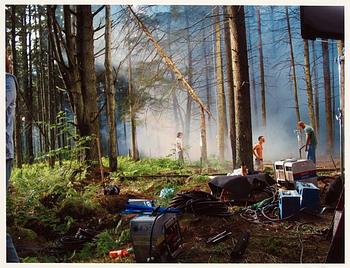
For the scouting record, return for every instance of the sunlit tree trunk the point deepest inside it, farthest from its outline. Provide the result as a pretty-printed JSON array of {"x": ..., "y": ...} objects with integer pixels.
[
  {"x": 310, "y": 102},
  {"x": 241, "y": 82},
  {"x": 173, "y": 94},
  {"x": 189, "y": 79},
  {"x": 231, "y": 96},
  {"x": 110, "y": 94},
  {"x": 262, "y": 70},
  {"x": 292, "y": 62},
  {"x": 134, "y": 149},
  {"x": 203, "y": 144},
  {"x": 220, "y": 95},
  {"x": 207, "y": 82}
]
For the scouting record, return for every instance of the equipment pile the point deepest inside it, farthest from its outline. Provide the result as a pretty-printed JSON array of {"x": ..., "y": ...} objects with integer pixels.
[{"x": 200, "y": 203}]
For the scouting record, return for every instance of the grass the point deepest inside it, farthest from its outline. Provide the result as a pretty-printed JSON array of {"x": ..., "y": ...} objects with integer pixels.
[
  {"x": 57, "y": 201},
  {"x": 127, "y": 167},
  {"x": 43, "y": 202}
]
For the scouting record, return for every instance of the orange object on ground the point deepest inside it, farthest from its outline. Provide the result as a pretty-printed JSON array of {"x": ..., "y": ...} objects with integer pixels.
[{"x": 119, "y": 253}]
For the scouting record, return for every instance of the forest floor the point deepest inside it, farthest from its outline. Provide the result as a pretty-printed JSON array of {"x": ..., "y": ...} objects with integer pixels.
[{"x": 45, "y": 205}]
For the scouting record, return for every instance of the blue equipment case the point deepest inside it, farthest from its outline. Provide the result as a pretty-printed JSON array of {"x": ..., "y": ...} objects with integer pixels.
[
  {"x": 289, "y": 203},
  {"x": 310, "y": 195}
]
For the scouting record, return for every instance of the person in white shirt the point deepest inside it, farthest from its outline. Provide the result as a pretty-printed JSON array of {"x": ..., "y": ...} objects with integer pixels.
[{"x": 180, "y": 148}]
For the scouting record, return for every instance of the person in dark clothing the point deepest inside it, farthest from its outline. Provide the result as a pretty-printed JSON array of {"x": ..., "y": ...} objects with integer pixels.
[{"x": 311, "y": 141}]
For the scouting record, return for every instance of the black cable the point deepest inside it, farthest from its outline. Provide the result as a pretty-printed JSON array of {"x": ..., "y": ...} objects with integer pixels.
[
  {"x": 151, "y": 235},
  {"x": 200, "y": 203}
]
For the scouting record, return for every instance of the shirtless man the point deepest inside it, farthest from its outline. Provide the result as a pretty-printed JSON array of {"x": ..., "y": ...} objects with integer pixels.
[{"x": 258, "y": 153}]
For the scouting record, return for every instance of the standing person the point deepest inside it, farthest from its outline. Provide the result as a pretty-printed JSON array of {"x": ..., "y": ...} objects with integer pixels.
[
  {"x": 258, "y": 153},
  {"x": 311, "y": 141},
  {"x": 180, "y": 148},
  {"x": 11, "y": 84}
]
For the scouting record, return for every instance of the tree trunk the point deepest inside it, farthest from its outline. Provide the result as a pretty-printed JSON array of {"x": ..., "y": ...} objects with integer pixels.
[
  {"x": 252, "y": 77},
  {"x": 88, "y": 125},
  {"x": 46, "y": 98},
  {"x": 125, "y": 136},
  {"x": 292, "y": 62},
  {"x": 42, "y": 86},
  {"x": 203, "y": 143},
  {"x": 30, "y": 93},
  {"x": 52, "y": 107},
  {"x": 327, "y": 95},
  {"x": 39, "y": 102},
  {"x": 110, "y": 94},
  {"x": 262, "y": 71},
  {"x": 241, "y": 81},
  {"x": 18, "y": 140},
  {"x": 27, "y": 86},
  {"x": 207, "y": 83},
  {"x": 63, "y": 136},
  {"x": 189, "y": 79},
  {"x": 134, "y": 149},
  {"x": 317, "y": 103},
  {"x": 171, "y": 65},
  {"x": 78, "y": 72},
  {"x": 310, "y": 102},
  {"x": 25, "y": 69},
  {"x": 231, "y": 96},
  {"x": 333, "y": 89},
  {"x": 173, "y": 94},
  {"x": 220, "y": 92}
]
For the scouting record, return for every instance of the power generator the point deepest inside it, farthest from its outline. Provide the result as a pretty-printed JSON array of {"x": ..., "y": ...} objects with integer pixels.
[
  {"x": 156, "y": 238},
  {"x": 289, "y": 171},
  {"x": 280, "y": 175},
  {"x": 300, "y": 170}
]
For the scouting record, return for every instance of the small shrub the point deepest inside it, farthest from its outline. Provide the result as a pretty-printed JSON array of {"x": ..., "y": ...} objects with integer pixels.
[{"x": 104, "y": 243}]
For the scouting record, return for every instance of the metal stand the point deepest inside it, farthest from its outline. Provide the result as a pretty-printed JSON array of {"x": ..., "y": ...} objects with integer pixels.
[{"x": 340, "y": 115}]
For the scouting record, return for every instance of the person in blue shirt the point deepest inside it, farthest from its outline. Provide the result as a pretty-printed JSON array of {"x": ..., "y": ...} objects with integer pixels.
[
  {"x": 11, "y": 85},
  {"x": 311, "y": 141}
]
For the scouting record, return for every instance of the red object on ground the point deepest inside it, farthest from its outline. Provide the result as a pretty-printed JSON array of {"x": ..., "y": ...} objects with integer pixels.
[{"x": 118, "y": 253}]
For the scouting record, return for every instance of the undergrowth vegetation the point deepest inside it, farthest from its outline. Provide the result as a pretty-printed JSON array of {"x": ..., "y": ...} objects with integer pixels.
[
  {"x": 44, "y": 204},
  {"x": 148, "y": 166}
]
